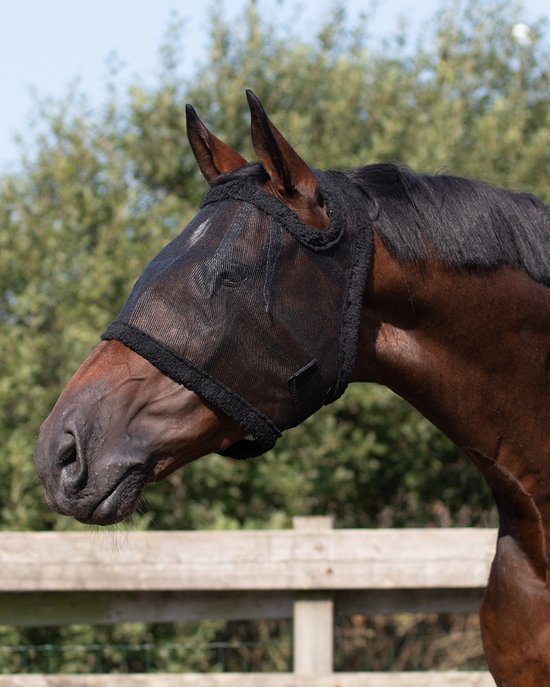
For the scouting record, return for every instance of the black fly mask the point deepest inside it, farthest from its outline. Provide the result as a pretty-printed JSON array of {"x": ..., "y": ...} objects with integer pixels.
[{"x": 254, "y": 310}]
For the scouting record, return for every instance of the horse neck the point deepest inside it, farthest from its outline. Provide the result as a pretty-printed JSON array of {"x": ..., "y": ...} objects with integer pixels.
[{"x": 472, "y": 352}]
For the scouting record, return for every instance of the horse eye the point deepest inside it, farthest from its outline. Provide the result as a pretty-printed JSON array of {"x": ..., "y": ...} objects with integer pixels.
[
  {"x": 234, "y": 276},
  {"x": 320, "y": 200}
]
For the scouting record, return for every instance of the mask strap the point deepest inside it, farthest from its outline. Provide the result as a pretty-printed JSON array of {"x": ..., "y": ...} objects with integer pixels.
[{"x": 306, "y": 391}]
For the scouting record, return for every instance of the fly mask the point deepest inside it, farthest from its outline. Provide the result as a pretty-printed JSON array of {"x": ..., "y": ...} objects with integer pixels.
[{"x": 252, "y": 309}]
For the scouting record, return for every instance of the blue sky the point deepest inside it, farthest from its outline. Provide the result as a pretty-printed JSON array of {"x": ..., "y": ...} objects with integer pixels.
[{"x": 46, "y": 44}]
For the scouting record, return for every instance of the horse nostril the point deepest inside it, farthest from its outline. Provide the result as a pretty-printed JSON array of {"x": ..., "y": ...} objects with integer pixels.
[
  {"x": 68, "y": 458},
  {"x": 67, "y": 452},
  {"x": 74, "y": 473}
]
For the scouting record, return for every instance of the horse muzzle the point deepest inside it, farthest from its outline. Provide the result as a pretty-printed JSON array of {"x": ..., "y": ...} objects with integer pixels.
[{"x": 81, "y": 477}]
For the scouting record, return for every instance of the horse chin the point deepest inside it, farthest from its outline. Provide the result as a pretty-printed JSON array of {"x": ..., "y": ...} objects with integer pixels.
[{"x": 117, "y": 504}]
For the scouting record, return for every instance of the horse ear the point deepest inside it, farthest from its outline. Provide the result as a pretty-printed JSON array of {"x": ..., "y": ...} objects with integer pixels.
[
  {"x": 289, "y": 174},
  {"x": 213, "y": 156}
]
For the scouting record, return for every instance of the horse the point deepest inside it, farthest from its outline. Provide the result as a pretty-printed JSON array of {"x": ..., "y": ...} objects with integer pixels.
[{"x": 289, "y": 284}]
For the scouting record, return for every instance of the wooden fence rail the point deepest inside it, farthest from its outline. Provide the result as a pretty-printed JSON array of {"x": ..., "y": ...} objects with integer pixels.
[{"x": 308, "y": 574}]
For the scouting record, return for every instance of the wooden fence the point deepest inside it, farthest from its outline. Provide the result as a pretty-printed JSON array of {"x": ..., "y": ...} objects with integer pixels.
[{"x": 308, "y": 574}]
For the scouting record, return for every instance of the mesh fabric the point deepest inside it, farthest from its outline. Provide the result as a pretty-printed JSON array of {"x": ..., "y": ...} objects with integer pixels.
[{"x": 254, "y": 310}]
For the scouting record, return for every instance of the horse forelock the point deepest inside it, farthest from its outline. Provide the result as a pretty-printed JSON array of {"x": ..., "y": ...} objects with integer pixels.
[
  {"x": 469, "y": 224},
  {"x": 254, "y": 170}
]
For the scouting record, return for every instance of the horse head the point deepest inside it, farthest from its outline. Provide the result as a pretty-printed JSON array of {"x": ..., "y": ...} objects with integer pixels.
[{"x": 218, "y": 348}]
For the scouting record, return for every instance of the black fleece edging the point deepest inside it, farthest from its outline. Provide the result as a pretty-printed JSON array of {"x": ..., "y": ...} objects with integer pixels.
[
  {"x": 361, "y": 260},
  {"x": 207, "y": 387},
  {"x": 250, "y": 190}
]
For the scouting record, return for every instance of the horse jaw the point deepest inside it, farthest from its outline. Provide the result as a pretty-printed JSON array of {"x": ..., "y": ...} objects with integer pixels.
[{"x": 119, "y": 424}]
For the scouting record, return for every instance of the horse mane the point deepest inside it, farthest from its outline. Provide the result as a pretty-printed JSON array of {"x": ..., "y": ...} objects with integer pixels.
[{"x": 468, "y": 224}]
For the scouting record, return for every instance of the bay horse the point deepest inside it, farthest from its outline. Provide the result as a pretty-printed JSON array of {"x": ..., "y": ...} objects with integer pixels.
[{"x": 289, "y": 284}]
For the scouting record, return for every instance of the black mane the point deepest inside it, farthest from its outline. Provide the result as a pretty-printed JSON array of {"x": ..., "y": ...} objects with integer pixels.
[{"x": 469, "y": 224}]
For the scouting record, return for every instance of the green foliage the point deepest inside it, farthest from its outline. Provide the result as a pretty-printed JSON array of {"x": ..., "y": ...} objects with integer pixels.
[{"x": 102, "y": 192}]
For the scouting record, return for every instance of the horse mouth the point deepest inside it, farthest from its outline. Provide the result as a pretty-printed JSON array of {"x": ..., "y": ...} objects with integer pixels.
[{"x": 120, "y": 502}]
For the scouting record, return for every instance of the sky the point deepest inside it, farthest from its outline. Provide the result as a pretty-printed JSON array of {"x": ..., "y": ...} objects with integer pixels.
[{"x": 46, "y": 45}]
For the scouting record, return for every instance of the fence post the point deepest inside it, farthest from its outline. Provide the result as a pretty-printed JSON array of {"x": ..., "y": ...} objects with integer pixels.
[{"x": 313, "y": 617}]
